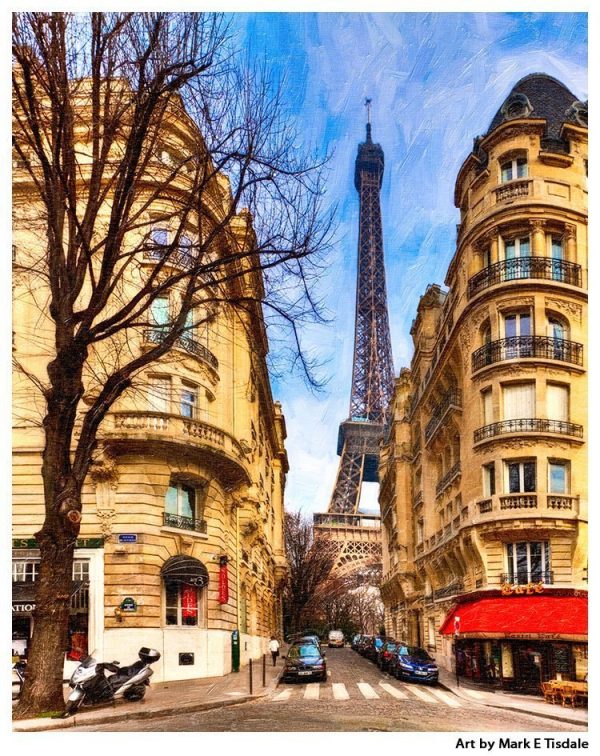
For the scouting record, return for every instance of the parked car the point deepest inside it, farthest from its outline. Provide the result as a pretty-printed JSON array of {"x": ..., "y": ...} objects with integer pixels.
[
  {"x": 311, "y": 639},
  {"x": 363, "y": 643},
  {"x": 413, "y": 663},
  {"x": 335, "y": 639},
  {"x": 385, "y": 653},
  {"x": 355, "y": 641},
  {"x": 372, "y": 647},
  {"x": 304, "y": 661}
]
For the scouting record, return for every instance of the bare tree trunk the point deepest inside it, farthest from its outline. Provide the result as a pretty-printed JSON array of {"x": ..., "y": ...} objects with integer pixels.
[{"x": 42, "y": 690}]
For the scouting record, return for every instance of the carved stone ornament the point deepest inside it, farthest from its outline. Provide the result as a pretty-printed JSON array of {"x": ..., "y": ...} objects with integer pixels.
[
  {"x": 503, "y": 304},
  {"x": 536, "y": 224},
  {"x": 571, "y": 308},
  {"x": 106, "y": 517},
  {"x": 103, "y": 468},
  {"x": 570, "y": 231}
]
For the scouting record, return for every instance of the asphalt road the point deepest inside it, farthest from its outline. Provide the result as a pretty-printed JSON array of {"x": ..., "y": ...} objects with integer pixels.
[{"x": 357, "y": 697}]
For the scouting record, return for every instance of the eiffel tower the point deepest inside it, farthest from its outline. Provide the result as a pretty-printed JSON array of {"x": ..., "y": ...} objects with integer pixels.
[{"x": 356, "y": 537}]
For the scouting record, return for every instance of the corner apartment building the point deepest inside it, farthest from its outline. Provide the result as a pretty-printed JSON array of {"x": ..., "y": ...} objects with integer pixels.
[
  {"x": 483, "y": 475},
  {"x": 181, "y": 538}
]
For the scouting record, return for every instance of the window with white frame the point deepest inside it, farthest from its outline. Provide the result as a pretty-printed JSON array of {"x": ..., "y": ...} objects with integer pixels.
[
  {"x": 512, "y": 169},
  {"x": 489, "y": 479},
  {"x": 517, "y": 332},
  {"x": 517, "y": 257},
  {"x": 159, "y": 394},
  {"x": 518, "y": 400},
  {"x": 520, "y": 476},
  {"x": 557, "y": 402},
  {"x": 528, "y": 562},
  {"x": 183, "y": 605},
  {"x": 182, "y": 502},
  {"x": 487, "y": 409},
  {"x": 431, "y": 632},
  {"x": 558, "y": 477},
  {"x": 189, "y": 400}
]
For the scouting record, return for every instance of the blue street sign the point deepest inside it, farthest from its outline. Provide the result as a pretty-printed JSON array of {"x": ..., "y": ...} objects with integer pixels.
[{"x": 127, "y": 537}]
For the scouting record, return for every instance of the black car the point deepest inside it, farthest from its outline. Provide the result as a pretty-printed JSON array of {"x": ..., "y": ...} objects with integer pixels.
[
  {"x": 385, "y": 653},
  {"x": 363, "y": 643},
  {"x": 355, "y": 642},
  {"x": 304, "y": 661},
  {"x": 371, "y": 649},
  {"x": 413, "y": 663}
]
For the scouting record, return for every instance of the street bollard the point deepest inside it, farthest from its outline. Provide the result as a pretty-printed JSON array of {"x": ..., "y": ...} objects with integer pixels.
[
  {"x": 264, "y": 670},
  {"x": 250, "y": 674}
]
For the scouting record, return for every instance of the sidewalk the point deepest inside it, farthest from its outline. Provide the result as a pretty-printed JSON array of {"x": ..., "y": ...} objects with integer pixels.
[
  {"x": 512, "y": 701},
  {"x": 165, "y": 698}
]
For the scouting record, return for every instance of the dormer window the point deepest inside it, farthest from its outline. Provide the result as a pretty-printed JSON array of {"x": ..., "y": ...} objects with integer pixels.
[
  {"x": 517, "y": 105},
  {"x": 515, "y": 168}
]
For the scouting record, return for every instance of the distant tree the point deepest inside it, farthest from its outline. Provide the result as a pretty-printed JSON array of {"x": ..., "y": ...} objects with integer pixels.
[
  {"x": 310, "y": 566},
  {"x": 94, "y": 96}
]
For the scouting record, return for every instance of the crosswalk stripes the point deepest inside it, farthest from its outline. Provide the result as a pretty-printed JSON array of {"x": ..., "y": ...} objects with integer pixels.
[
  {"x": 395, "y": 692},
  {"x": 473, "y": 693},
  {"x": 421, "y": 694},
  {"x": 339, "y": 692},
  {"x": 367, "y": 690},
  {"x": 445, "y": 698}
]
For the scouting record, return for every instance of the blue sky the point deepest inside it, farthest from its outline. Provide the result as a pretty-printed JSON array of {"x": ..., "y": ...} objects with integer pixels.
[{"x": 436, "y": 81}]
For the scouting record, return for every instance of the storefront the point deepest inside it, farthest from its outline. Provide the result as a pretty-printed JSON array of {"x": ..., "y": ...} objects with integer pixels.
[
  {"x": 87, "y": 591},
  {"x": 519, "y": 641}
]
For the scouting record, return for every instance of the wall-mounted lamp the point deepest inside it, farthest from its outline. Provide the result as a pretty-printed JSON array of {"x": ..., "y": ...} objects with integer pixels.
[{"x": 118, "y": 614}]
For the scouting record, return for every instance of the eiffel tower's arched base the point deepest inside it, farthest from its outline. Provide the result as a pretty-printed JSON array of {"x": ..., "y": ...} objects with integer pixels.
[{"x": 355, "y": 542}]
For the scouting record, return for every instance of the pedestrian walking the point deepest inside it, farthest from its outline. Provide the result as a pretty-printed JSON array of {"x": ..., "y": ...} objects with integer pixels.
[{"x": 274, "y": 649}]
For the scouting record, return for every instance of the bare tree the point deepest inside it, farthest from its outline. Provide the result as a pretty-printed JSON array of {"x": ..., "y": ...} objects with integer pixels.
[
  {"x": 124, "y": 122},
  {"x": 310, "y": 568}
]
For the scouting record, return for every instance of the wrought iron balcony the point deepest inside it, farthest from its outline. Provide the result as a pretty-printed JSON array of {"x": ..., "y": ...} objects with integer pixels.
[
  {"x": 450, "y": 476},
  {"x": 451, "y": 400},
  {"x": 184, "y": 523},
  {"x": 181, "y": 258},
  {"x": 528, "y": 425},
  {"x": 518, "y": 268},
  {"x": 346, "y": 520},
  {"x": 519, "y": 347},
  {"x": 156, "y": 335},
  {"x": 522, "y": 577}
]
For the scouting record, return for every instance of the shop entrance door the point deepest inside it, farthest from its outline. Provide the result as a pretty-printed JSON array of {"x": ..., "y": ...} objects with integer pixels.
[{"x": 531, "y": 666}]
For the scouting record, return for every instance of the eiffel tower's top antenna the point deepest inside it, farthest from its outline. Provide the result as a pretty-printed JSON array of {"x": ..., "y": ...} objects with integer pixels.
[{"x": 368, "y": 107}]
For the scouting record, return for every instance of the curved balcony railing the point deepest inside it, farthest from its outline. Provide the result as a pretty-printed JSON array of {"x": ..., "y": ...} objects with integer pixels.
[
  {"x": 156, "y": 335},
  {"x": 549, "y": 504},
  {"x": 180, "y": 258},
  {"x": 518, "y": 347},
  {"x": 452, "y": 399},
  {"x": 528, "y": 425},
  {"x": 184, "y": 523},
  {"x": 448, "y": 478},
  {"x": 518, "y": 268}
]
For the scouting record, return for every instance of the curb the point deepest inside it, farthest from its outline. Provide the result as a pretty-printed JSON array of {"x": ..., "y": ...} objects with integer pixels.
[
  {"x": 40, "y": 725},
  {"x": 509, "y": 707}
]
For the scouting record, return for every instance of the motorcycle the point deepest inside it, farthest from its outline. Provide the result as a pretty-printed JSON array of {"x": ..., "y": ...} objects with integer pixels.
[
  {"x": 18, "y": 678},
  {"x": 90, "y": 683}
]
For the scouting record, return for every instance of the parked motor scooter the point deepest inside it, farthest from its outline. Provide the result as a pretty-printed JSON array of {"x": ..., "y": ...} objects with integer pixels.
[
  {"x": 18, "y": 677},
  {"x": 90, "y": 684}
]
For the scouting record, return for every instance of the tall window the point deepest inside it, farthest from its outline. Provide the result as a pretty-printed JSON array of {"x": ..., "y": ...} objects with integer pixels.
[
  {"x": 159, "y": 394},
  {"x": 518, "y": 400},
  {"x": 557, "y": 254},
  {"x": 557, "y": 402},
  {"x": 517, "y": 256},
  {"x": 159, "y": 314},
  {"x": 489, "y": 479},
  {"x": 528, "y": 562},
  {"x": 558, "y": 477},
  {"x": 189, "y": 400},
  {"x": 513, "y": 169},
  {"x": 517, "y": 328},
  {"x": 182, "y": 603},
  {"x": 159, "y": 238},
  {"x": 520, "y": 476},
  {"x": 486, "y": 406},
  {"x": 180, "y": 501}
]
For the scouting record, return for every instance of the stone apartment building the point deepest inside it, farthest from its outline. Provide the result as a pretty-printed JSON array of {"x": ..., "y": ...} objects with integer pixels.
[
  {"x": 484, "y": 472},
  {"x": 181, "y": 540}
]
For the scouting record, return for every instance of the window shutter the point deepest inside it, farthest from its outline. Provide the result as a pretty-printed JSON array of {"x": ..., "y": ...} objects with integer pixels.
[
  {"x": 557, "y": 402},
  {"x": 519, "y": 401}
]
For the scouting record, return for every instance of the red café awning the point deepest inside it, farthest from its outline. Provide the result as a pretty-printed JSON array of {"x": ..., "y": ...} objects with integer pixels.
[{"x": 551, "y": 617}]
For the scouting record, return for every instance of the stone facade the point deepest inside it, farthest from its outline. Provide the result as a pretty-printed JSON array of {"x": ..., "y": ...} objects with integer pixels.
[
  {"x": 191, "y": 462},
  {"x": 487, "y": 449}
]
